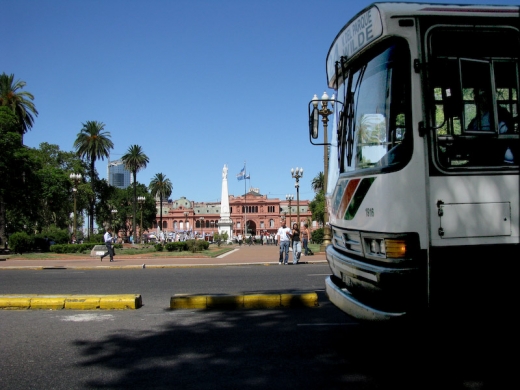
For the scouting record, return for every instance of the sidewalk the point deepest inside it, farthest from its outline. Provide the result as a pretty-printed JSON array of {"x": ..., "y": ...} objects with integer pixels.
[{"x": 254, "y": 254}]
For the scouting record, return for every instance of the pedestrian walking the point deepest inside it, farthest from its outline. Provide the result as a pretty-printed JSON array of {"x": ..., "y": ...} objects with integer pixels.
[
  {"x": 283, "y": 237},
  {"x": 296, "y": 244},
  {"x": 107, "y": 237}
]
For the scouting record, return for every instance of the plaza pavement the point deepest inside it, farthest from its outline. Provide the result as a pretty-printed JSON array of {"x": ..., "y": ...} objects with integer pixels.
[
  {"x": 240, "y": 255},
  {"x": 245, "y": 254}
]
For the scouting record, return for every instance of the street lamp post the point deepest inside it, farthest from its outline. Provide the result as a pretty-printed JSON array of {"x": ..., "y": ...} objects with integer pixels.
[
  {"x": 324, "y": 112},
  {"x": 297, "y": 174},
  {"x": 290, "y": 198},
  {"x": 114, "y": 212},
  {"x": 202, "y": 226},
  {"x": 75, "y": 177},
  {"x": 141, "y": 200}
]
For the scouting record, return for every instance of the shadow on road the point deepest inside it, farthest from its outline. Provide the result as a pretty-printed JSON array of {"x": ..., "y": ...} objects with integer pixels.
[{"x": 317, "y": 348}]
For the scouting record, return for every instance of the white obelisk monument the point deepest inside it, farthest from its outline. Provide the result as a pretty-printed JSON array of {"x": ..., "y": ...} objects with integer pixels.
[{"x": 225, "y": 224}]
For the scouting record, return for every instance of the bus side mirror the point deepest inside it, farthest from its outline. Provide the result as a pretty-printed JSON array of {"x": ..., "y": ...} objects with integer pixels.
[{"x": 313, "y": 123}]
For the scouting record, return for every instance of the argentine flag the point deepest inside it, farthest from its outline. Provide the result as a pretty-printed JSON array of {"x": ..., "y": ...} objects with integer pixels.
[{"x": 242, "y": 174}]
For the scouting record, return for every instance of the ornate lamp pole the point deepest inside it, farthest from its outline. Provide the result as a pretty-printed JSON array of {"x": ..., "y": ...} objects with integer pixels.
[
  {"x": 75, "y": 177},
  {"x": 114, "y": 212},
  {"x": 324, "y": 112},
  {"x": 297, "y": 174},
  {"x": 290, "y": 199},
  {"x": 141, "y": 200}
]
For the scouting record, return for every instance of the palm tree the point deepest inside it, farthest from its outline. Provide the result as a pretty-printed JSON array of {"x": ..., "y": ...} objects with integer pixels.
[
  {"x": 92, "y": 143},
  {"x": 318, "y": 182},
  {"x": 20, "y": 102},
  {"x": 134, "y": 160},
  {"x": 162, "y": 187}
]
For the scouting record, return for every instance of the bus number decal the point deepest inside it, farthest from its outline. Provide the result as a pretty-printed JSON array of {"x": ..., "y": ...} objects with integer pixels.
[{"x": 369, "y": 211}]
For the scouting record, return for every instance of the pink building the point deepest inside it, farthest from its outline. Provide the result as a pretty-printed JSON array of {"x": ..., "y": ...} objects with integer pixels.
[{"x": 260, "y": 214}]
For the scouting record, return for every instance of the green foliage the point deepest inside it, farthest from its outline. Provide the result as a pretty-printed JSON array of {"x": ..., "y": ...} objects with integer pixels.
[
  {"x": 95, "y": 239},
  {"x": 317, "y": 236},
  {"x": 59, "y": 236},
  {"x": 71, "y": 248},
  {"x": 112, "y": 198},
  {"x": 20, "y": 102},
  {"x": 317, "y": 207},
  {"x": 218, "y": 238},
  {"x": 197, "y": 245},
  {"x": 159, "y": 247},
  {"x": 178, "y": 246},
  {"x": 21, "y": 242}
]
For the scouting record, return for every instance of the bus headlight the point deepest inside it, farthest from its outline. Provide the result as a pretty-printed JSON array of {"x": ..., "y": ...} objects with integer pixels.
[{"x": 391, "y": 247}]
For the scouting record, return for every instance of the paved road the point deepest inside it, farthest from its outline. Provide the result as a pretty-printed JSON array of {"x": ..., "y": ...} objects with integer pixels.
[{"x": 255, "y": 254}]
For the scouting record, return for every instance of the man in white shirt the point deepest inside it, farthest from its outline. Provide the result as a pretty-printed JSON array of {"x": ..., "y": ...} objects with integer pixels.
[
  {"x": 107, "y": 237},
  {"x": 284, "y": 239}
]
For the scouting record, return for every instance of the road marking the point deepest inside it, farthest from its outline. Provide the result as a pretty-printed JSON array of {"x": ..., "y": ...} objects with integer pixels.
[
  {"x": 331, "y": 324},
  {"x": 88, "y": 317}
]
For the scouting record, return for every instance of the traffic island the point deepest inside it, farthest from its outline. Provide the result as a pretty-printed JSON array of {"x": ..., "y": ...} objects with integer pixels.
[
  {"x": 72, "y": 302},
  {"x": 248, "y": 301}
]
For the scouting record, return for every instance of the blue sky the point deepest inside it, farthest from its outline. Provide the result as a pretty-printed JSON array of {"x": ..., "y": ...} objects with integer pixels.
[{"x": 196, "y": 83}]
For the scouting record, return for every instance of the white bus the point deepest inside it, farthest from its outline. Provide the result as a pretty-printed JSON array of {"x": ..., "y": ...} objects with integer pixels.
[{"x": 422, "y": 186}]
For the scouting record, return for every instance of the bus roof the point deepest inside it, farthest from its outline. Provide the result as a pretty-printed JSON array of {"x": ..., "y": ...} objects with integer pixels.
[{"x": 368, "y": 24}]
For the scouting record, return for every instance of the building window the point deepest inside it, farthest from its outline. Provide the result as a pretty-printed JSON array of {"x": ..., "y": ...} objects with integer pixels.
[
  {"x": 271, "y": 223},
  {"x": 262, "y": 225}
]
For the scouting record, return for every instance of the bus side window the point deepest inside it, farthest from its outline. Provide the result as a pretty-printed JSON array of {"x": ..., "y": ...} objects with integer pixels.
[{"x": 507, "y": 93}]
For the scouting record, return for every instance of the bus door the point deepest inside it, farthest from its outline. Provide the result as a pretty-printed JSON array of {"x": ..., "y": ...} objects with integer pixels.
[{"x": 472, "y": 103}]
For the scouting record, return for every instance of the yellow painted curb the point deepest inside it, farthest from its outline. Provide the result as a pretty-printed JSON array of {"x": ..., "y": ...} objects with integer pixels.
[
  {"x": 224, "y": 301},
  {"x": 249, "y": 301},
  {"x": 15, "y": 303},
  {"x": 72, "y": 302},
  {"x": 120, "y": 302},
  {"x": 188, "y": 302},
  {"x": 82, "y": 303},
  {"x": 48, "y": 302},
  {"x": 305, "y": 299},
  {"x": 261, "y": 301}
]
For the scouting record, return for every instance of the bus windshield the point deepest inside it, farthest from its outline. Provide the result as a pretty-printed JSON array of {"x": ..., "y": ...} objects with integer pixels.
[
  {"x": 374, "y": 126},
  {"x": 473, "y": 86}
]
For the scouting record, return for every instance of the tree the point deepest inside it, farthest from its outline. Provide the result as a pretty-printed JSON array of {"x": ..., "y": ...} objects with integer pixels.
[
  {"x": 93, "y": 143},
  {"x": 162, "y": 187},
  {"x": 9, "y": 143},
  {"x": 318, "y": 182},
  {"x": 134, "y": 160},
  {"x": 56, "y": 196},
  {"x": 317, "y": 205},
  {"x": 20, "y": 102}
]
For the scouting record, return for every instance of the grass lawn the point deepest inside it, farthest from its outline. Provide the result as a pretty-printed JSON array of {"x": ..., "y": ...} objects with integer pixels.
[{"x": 137, "y": 250}]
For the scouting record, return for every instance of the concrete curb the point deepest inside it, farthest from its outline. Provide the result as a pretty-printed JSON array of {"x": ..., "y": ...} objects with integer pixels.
[
  {"x": 249, "y": 301},
  {"x": 72, "y": 302}
]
